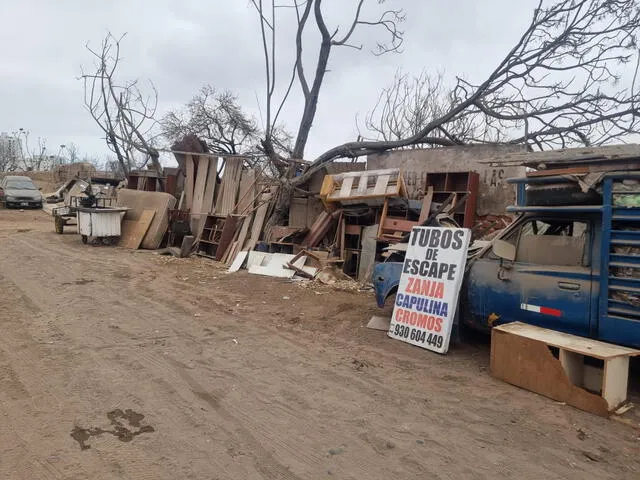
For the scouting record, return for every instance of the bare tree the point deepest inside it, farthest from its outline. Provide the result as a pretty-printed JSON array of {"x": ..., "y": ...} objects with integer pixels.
[
  {"x": 571, "y": 79},
  {"x": 32, "y": 157},
  {"x": 409, "y": 103},
  {"x": 11, "y": 152},
  {"x": 123, "y": 111},
  {"x": 216, "y": 118},
  {"x": 72, "y": 152},
  {"x": 330, "y": 38}
]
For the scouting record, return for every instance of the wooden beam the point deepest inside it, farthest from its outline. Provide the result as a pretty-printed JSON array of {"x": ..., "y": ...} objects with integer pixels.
[
  {"x": 426, "y": 205},
  {"x": 200, "y": 185},
  {"x": 189, "y": 180},
  {"x": 210, "y": 189}
]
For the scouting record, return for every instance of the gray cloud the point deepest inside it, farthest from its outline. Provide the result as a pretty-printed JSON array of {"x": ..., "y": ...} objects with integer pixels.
[{"x": 183, "y": 45}]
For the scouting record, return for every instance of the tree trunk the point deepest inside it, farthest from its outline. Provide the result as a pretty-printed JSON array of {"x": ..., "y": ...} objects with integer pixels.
[
  {"x": 281, "y": 205},
  {"x": 311, "y": 101},
  {"x": 158, "y": 168}
]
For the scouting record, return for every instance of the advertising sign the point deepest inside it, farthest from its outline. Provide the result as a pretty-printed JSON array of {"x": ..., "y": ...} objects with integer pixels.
[{"x": 427, "y": 295}]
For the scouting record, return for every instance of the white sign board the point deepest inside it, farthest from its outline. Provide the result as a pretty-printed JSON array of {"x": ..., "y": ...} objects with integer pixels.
[{"x": 429, "y": 286}]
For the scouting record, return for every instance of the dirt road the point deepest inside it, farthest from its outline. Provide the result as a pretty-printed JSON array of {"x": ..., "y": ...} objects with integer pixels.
[{"x": 116, "y": 364}]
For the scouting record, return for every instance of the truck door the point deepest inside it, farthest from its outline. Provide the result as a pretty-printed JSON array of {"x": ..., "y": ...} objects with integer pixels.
[{"x": 548, "y": 284}]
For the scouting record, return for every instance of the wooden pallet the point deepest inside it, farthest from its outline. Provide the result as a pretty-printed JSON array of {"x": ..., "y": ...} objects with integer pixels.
[{"x": 368, "y": 187}]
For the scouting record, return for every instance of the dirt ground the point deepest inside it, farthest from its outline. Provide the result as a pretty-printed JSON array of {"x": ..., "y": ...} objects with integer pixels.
[{"x": 119, "y": 364}]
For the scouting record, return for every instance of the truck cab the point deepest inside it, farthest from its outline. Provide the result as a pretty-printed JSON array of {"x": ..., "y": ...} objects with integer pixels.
[{"x": 572, "y": 268}]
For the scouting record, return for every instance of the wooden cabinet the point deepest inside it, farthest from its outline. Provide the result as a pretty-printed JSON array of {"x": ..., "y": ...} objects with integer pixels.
[
  {"x": 460, "y": 184},
  {"x": 438, "y": 187}
]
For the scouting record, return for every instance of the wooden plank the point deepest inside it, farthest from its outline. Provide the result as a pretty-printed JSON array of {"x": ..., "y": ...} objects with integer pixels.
[
  {"x": 189, "y": 180},
  {"x": 238, "y": 261},
  {"x": 133, "y": 231},
  {"x": 200, "y": 185},
  {"x": 258, "y": 221},
  {"x": 368, "y": 254},
  {"x": 230, "y": 253},
  {"x": 528, "y": 363},
  {"x": 573, "y": 364},
  {"x": 244, "y": 232},
  {"x": 569, "y": 155},
  {"x": 231, "y": 182},
  {"x": 298, "y": 212},
  {"x": 347, "y": 185},
  {"x": 273, "y": 265},
  {"x": 274, "y": 270},
  {"x": 383, "y": 215},
  {"x": 375, "y": 173},
  {"x": 342, "y": 228},
  {"x": 614, "y": 383},
  {"x": 279, "y": 232},
  {"x": 426, "y": 205},
  {"x": 558, "y": 171},
  {"x": 247, "y": 193},
  {"x": 572, "y": 343},
  {"x": 592, "y": 378},
  {"x": 381, "y": 185},
  {"x": 210, "y": 189},
  {"x": 228, "y": 232},
  {"x": 186, "y": 246},
  {"x": 362, "y": 184},
  {"x": 314, "y": 208},
  {"x": 395, "y": 224}
]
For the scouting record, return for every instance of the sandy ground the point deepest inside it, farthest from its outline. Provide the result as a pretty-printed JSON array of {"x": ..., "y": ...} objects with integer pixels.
[{"x": 118, "y": 364}]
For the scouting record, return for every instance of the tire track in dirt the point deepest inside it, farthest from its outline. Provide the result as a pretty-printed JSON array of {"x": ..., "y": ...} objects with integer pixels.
[{"x": 285, "y": 393}]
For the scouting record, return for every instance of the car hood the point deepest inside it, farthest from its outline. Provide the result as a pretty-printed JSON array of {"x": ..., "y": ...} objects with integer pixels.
[{"x": 13, "y": 192}]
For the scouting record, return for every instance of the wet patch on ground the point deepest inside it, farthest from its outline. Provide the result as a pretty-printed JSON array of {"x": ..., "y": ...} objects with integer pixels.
[{"x": 117, "y": 418}]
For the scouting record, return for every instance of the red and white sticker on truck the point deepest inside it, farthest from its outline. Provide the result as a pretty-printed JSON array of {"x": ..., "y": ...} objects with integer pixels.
[{"x": 542, "y": 310}]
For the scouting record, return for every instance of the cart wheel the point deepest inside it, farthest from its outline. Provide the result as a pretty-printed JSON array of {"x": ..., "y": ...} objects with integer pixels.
[
  {"x": 59, "y": 223},
  {"x": 85, "y": 239}
]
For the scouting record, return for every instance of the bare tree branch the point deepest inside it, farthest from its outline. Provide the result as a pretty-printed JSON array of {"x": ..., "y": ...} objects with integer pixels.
[
  {"x": 123, "y": 112},
  {"x": 571, "y": 79},
  {"x": 388, "y": 21}
]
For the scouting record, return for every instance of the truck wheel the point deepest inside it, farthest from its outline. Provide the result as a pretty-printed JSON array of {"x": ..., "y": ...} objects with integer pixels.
[
  {"x": 561, "y": 194},
  {"x": 59, "y": 223},
  {"x": 85, "y": 239}
]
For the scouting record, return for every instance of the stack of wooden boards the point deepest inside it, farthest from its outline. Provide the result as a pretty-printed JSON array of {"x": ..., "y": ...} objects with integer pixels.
[{"x": 228, "y": 217}]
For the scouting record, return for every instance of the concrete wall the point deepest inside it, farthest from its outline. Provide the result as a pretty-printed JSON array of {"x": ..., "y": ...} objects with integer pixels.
[{"x": 495, "y": 194}]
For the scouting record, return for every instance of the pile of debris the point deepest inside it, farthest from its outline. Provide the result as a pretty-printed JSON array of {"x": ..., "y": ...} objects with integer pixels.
[
  {"x": 342, "y": 220},
  {"x": 338, "y": 224}
]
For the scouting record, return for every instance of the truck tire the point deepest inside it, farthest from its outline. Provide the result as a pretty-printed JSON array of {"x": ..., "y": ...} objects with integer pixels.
[{"x": 561, "y": 194}]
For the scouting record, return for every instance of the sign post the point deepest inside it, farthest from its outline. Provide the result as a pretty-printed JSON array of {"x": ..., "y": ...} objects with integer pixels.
[{"x": 429, "y": 286}]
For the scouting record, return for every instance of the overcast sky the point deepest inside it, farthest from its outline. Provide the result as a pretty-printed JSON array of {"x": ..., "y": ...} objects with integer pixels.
[{"x": 183, "y": 45}]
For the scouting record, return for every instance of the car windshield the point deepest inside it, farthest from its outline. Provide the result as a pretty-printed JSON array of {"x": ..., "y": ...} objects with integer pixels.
[{"x": 21, "y": 185}]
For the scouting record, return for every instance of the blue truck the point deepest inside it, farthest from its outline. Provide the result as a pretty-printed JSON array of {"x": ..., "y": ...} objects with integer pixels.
[{"x": 570, "y": 261}]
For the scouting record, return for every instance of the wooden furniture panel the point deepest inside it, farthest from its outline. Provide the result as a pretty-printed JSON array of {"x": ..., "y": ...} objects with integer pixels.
[{"x": 521, "y": 355}]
